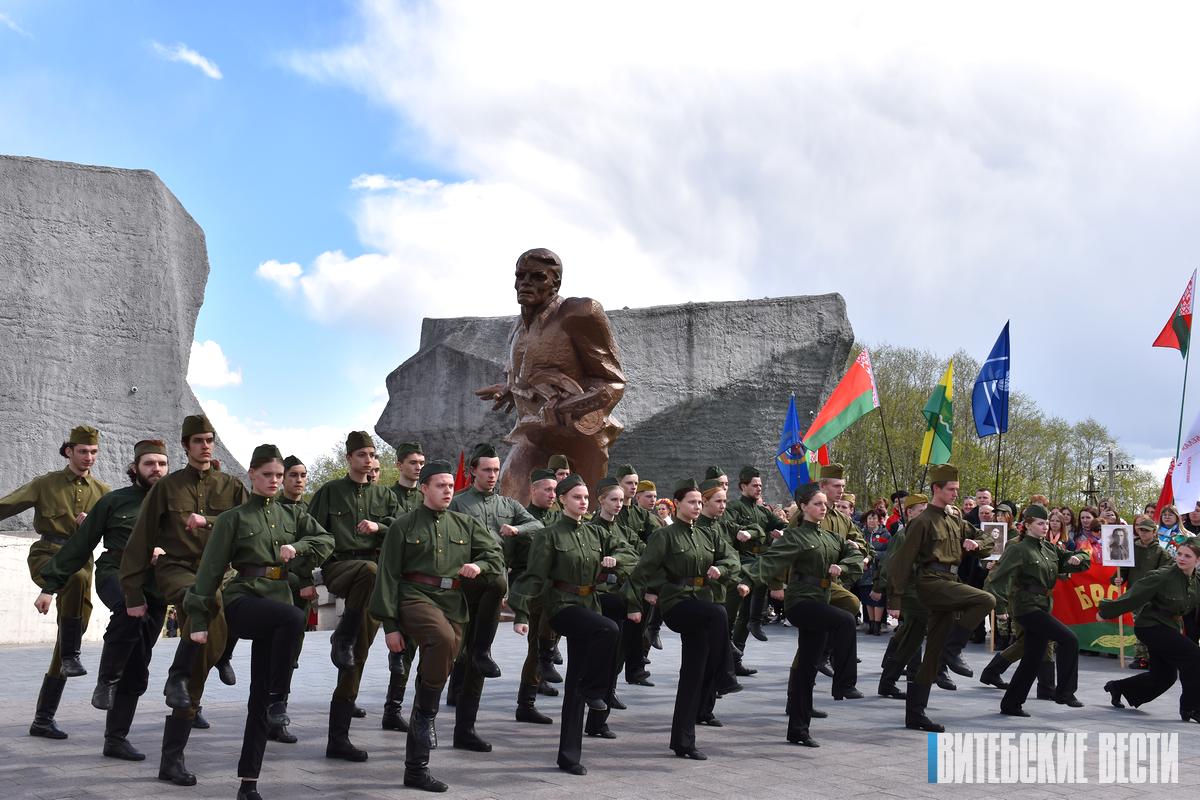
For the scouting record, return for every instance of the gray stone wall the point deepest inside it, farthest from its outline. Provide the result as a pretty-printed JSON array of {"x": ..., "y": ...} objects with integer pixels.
[
  {"x": 708, "y": 382},
  {"x": 102, "y": 273}
]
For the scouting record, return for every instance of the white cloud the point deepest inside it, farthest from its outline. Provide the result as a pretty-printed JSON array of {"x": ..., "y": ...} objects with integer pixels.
[
  {"x": 209, "y": 369},
  {"x": 11, "y": 24},
  {"x": 182, "y": 53},
  {"x": 941, "y": 160},
  {"x": 283, "y": 275},
  {"x": 242, "y": 434},
  {"x": 1157, "y": 466}
]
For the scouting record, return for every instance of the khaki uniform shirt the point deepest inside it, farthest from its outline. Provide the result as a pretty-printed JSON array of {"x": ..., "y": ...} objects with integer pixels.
[{"x": 56, "y": 498}]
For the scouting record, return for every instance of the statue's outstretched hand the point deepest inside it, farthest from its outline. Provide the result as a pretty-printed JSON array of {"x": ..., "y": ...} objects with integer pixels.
[{"x": 499, "y": 394}]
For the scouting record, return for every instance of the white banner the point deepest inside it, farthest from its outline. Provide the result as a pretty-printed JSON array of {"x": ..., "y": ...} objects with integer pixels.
[{"x": 1185, "y": 481}]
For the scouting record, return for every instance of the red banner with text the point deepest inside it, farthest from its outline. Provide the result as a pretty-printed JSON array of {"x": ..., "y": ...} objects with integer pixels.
[{"x": 1075, "y": 604}]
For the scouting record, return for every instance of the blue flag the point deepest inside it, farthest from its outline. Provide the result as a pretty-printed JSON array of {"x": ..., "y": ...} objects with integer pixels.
[
  {"x": 792, "y": 456},
  {"x": 989, "y": 401}
]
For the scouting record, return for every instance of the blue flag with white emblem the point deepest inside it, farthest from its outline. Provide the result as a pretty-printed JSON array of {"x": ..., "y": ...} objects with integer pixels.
[
  {"x": 989, "y": 401},
  {"x": 792, "y": 456}
]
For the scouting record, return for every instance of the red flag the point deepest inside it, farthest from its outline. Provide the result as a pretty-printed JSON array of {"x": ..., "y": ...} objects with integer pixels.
[
  {"x": 1177, "y": 333},
  {"x": 461, "y": 481},
  {"x": 1166, "y": 497}
]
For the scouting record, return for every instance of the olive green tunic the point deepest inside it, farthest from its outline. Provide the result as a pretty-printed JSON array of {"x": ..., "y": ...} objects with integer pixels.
[
  {"x": 494, "y": 510},
  {"x": 1161, "y": 597},
  {"x": 250, "y": 535},
  {"x": 725, "y": 529},
  {"x": 56, "y": 498},
  {"x": 1024, "y": 578},
  {"x": 841, "y": 524},
  {"x": 679, "y": 552},
  {"x": 802, "y": 556},
  {"x": 750, "y": 516},
  {"x": 111, "y": 521},
  {"x": 612, "y": 580},
  {"x": 638, "y": 520},
  {"x": 569, "y": 551},
  {"x": 162, "y": 523},
  {"x": 516, "y": 548},
  {"x": 338, "y": 507},
  {"x": 435, "y": 543},
  {"x": 409, "y": 497},
  {"x": 1146, "y": 558},
  {"x": 934, "y": 537}
]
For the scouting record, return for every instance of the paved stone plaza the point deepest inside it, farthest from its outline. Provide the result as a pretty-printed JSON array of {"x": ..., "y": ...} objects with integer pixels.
[{"x": 865, "y": 749}]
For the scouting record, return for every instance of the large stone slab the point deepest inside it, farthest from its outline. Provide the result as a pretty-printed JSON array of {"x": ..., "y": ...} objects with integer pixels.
[
  {"x": 102, "y": 273},
  {"x": 708, "y": 382}
]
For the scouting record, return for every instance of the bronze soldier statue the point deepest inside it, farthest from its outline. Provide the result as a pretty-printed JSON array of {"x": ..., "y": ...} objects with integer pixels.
[{"x": 563, "y": 377}]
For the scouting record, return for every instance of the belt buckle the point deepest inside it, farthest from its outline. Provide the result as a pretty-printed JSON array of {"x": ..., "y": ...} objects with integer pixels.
[
  {"x": 584, "y": 591},
  {"x": 610, "y": 578},
  {"x": 275, "y": 573},
  {"x": 954, "y": 569},
  {"x": 825, "y": 583},
  {"x": 446, "y": 583}
]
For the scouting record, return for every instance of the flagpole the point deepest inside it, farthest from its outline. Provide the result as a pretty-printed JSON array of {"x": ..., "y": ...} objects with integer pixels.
[
  {"x": 888, "y": 445},
  {"x": 1183, "y": 397},
  {"x": 999, "y": 444}
]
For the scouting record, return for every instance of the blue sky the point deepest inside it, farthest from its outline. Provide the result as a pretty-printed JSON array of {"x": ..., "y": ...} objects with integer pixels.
[{"x": 359, "y": 166}]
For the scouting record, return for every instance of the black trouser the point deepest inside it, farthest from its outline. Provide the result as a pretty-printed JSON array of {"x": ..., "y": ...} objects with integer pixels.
[
  {"x": 483, "y": 595},
  {"x": 632, "y": 643},
  {"x": 815, "y": 621},
  {"x": 131, "y": 637},
  {"x": 275, "y": 629},
  {"x": 591, "y": 640},
  {"x": 1171, "y": 654},
  {"x": 612, "y": 606},
  {"x": 1041, "y": 628},
  {"x": 704, "y": 630}
]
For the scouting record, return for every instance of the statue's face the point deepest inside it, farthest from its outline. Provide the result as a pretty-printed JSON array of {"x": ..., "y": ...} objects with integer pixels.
[{"x": 536, "y": 284}]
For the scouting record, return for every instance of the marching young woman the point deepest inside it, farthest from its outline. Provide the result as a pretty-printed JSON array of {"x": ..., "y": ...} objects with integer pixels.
[
  {"x": 565, "y": 562},
  {"x": 677, "y": 572},
  {"x": 1024, "y": 581},
  {"x": 1159, "y": 601},
  {"x": 811, "y": 559},
  {"x": 258, "y": 538}
]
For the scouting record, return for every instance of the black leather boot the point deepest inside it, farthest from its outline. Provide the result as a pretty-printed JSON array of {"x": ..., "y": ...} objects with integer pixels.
[
  {"x": 116, "y": 729},
  {"x": 993, "y": 673},
  {"x": 171, "y": 766},
  {"x": 113, "y": 657},
  {"x": 944, "y": 681},
  {"x": 1045, "y": 681},
  {"x": 914, "y": 709},
  {"x": 339, "y": 744},
  {"x": 341, "y": 641},
  {"x": 546, "y": 662},
  {"x": 421, "y": 739},
  {"x": 176, "y": 688},
  {"x": 70, "y": 639},
  {"x": 393, "y": 704},
  {"x": 465, "y": 737},
  {"x": 199, "y": 722},
  {"x": 887, "y": 680},
  {"x": 952, "y": 651},
  {"x": 454, "y": 684},
  {"x": 47, "y": 706},
  {"x": 526, "y": 710}
]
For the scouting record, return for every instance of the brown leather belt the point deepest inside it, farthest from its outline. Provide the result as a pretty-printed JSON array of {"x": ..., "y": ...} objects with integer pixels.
[
  {"x": 274, "y": 573},
  {"x": 812, "y": 580},
  {"x": 570, "y": 588},
  {"x": 696, "y": 582},
  {"x": 939, "y": 567},
  {"x": 430, "y": 580}
]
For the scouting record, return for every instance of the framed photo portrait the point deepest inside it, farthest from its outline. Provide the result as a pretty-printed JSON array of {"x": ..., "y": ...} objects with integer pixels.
[
  {"x": 999, "y": 533},
  {"x": 1116, "y": 543}
]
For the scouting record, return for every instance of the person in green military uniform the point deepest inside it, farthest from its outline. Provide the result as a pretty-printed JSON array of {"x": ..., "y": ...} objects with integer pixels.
[
  {"x": 128, "y": 642},
  {"x": 1149, "y": 554},
  {"x": 358, "y": 514},
  {"x": 565, "y": 562},
  {"x": 677, "y": 572},
  {"x": 905, "y": 644},
  {"x": 812, "y": 560},
  {"x": 1024, "y": 580},
  {"x": 167, "y": 542},
  {"x": 538, "y": 660},
  {"x": 933, "y": 548},
  {"x": 1159, "y": 602},
  {"x": 610, "y": 497},
  {"x": 410, "y": 458},
  {"x": 61, "y": 501},
  {"x": 637, "y": 638},
  {"x": 505, "y": 518},
  {"x": 833, "y": 485},
  {"x": 258, "y": 538},
  {"x": 561, "y": 466},
  {"x": 755, "y": 528},
  {"x": 300, "y": 570},
  {"x": 418, "y": 597},
  {"x": 714, "y": 521}
]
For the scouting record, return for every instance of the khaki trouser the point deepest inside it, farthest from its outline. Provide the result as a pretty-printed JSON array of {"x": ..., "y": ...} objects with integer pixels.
[
  {"x": 436, "y": 637},
  {"x": 74, "y": 600},
  {"x": 354, "y": 580},
  {"x": 949, "y": 603}
]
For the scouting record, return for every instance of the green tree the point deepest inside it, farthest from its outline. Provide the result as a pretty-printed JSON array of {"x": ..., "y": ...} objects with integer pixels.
[{"x": 333, "y": 465}]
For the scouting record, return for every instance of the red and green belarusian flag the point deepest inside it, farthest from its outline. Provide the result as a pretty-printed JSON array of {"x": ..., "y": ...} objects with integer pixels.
[
  {"x": 1177, "y": 333},
  {"x": 853, "y": 398}
]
